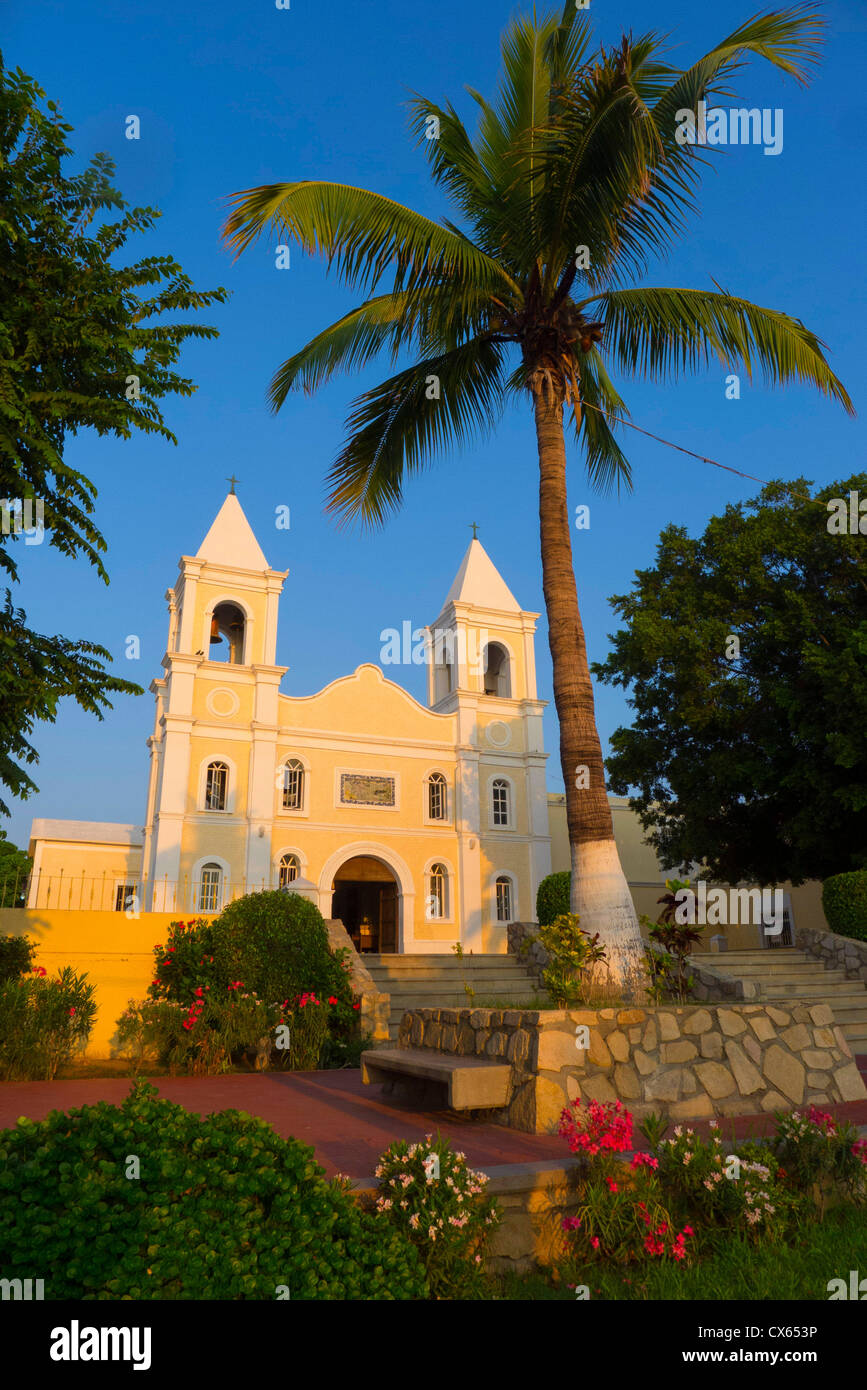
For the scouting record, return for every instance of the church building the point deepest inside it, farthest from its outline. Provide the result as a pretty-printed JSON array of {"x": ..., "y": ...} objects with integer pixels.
[{"x": 418, "y": 825}]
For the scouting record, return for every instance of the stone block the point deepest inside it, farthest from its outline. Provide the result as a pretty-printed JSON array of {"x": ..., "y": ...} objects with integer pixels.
[
  {"x": 651, "y": 1036},
  {"x": 842, "y": 1042},
  {"x": 496, "y": 1045},
  {"x": 597, "y": 1088},
  {"x": 682, "y": 1051},
  {"x": 557, "y": 1050},
  {"x": 763, "y": 1028},
  {"x": 817, "y": 1078},
  {"x": 606, "y": 1013},
  {"x": 785, "y": 1073},
  {"x": 550, "y": 1102},
  {"x": 774, "y": 1101},
  {"x": 752, "y": 1049},
  {"x": 849, "y": 1083},
  {"x": 598, "y": 1050},
  {"x": 449, "y": 1039},
  {"x": 796, "y": 1037},
  {"x": 716, "y": 1079},
  {"x": 665, "y": 1085},
  {"x": 573, "y": 1086},
  {"x": 824, "y": 1037},
  {"x": 416, "y": 1031},
  {"x": 748, "y": 1079},
  {"x": 801, "y": 1014},
  {"x": 697, "y": 1107},
  {"x": 512, "y": 1018},
  {"x": 814, "y": 1057},
  {"x": 466, "y": 1044},
  {"x": 668, "y": 1027},
  {"x": 731, "y": 1023},
  {"x": 645, "y": 1064},
  {"x": 482, "y": 1035},
  {"x": 778, "y": 1016},
  {"x": 699, "y": 1022},
  {"x": 634, "y": 1036},
  {"x": 690, "y": 1085},
  {"x": 618, "y": 1046},
  {"x": 519, "y": 1047},
  {"x": 822, "y": 1014},
  {"x": 712, "y": 1046},
  {"x": 626, "y": 1016},
  {"x": 626, "y": 1082}
]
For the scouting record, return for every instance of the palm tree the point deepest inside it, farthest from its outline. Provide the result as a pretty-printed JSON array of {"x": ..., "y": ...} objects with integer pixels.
[{"x": 574, "y": 181}]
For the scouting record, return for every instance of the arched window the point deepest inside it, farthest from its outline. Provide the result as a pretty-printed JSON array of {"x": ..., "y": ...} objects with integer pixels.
[
  {"x": 438, "y": 891},
  {"x": 226, "y": 638},
  {"x": 289, "y": 870},
  {"x": 437, "y": 797},
  {"x": 500, "y": 796},
  {"x": 504, "y": 898},
  {"x": 498, "y": 679},
  {"x": 217, "y": 787},
  {"x": 293, "y": 785},
  {"x": 211, "y": 888}
]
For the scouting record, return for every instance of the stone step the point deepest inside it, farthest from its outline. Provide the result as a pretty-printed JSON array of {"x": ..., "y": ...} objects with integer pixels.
[
  {"x": 483, "y": 972},
  {"x": 847, "y": 989},
  {"x": 786, "y": 953}
]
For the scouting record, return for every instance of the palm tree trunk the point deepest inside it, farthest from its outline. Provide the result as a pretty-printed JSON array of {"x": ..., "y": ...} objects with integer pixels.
[{"x": 600, "y": 893}]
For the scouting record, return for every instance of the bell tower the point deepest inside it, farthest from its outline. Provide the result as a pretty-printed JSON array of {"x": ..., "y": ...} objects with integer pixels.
[
  {"x": 216, "y": 703},
  {"x": 482, "y": 667}
]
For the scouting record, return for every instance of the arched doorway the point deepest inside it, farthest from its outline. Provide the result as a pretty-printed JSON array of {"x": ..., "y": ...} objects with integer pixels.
[{"x": 365, "y": 901}]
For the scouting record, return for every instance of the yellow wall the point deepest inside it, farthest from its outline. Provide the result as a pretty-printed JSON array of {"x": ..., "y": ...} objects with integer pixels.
[
  {"x": 647, "y": 880},
  {"x": 116, "y": 952}
]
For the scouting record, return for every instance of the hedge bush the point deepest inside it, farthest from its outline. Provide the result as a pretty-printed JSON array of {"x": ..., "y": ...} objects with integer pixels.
[
  {"x": 16, "y": 956},
  {"x": 844, "y": 900},
  {"x": 222, "y": 1208},
  {"x": 277, "y": 944},
  {"x": 43, "y": 1023},
  {"x": 552, "y": 897}
]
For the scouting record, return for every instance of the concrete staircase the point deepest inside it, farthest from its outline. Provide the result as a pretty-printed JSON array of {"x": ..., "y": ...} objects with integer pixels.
[
  {"x": 787, "y": 973},
  {"x": 437, "y": 981}
]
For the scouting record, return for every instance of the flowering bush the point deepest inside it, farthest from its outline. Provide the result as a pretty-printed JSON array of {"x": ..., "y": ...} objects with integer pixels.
[
  {"x": 816, "y": 1152},
  {"x": 601, "y": 1129},
  {"x": 43, "y": 1022},
  {"x": 574, "y": 956},
  {"x": 621, "y": 1215},
  {"x": 432, "y": 1196},
  {"x": 202, "y": 1038},
  {"x": 308, "y": 1024},
  {"x": 743, "y": 1190}
]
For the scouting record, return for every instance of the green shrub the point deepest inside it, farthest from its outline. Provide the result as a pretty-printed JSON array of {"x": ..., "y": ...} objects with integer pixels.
[
  {"x": 552, "y": 897},
  {"x": 844, "y": 900},
  {"x": 277, "y": 944},
  {"x": 16, "y": 956},
  {"x": 573, "y": 955},
  {"x": 201, "y": 1039},
  {"x": 43, "y": 1022},
  {"x": 222, "y": 1208}
]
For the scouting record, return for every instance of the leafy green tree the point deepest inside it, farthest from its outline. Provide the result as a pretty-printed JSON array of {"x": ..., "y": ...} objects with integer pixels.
[
  {"x": 745, "y": 650},
  {"x": 573, "y": 183},
  {"x": 76, "y": 352},
  {"x": 15, "y": 868}
]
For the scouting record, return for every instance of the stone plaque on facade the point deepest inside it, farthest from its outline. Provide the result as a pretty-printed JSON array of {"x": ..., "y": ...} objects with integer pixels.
[{"x": 358, "y": 790}]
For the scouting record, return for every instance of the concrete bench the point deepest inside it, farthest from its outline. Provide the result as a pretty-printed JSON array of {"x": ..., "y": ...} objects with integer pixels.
[{"x": 473, "y": 1083}]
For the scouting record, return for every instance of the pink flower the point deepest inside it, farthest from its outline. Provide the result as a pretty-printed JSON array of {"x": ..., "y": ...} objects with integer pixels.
[{"x": 594, "y": 1241}]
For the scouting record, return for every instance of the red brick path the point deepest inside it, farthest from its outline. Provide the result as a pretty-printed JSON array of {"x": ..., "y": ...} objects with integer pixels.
[{"x": 348, "y": 1124}]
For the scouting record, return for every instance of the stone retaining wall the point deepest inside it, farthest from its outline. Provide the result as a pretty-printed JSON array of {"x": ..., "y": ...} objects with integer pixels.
[
  {"x": 835, "y": 952},
  {"x": 685, "y": 1062}
]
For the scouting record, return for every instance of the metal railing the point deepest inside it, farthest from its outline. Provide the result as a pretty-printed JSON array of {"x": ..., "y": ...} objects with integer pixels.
[{"x": 129, "y": 894}]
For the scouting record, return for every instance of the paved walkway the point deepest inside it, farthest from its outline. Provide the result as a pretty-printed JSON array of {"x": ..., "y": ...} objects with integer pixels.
[{"x": 349, "y": 1125}]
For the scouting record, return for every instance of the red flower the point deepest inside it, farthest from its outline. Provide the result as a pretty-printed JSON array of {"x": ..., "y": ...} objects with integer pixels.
[
  {"x": 71, "y": 1012},
  {"x": 331, "y": 999},
  {"x": 356, "y": 1006}
]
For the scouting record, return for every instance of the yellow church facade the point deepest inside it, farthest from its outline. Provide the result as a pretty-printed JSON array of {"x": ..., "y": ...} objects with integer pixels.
[{"x": 419, "y": 825}]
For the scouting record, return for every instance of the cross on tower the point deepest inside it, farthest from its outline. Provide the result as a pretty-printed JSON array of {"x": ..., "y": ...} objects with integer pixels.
[
  {"x": 475, "y": 526},
  {"x": 233, "y": 480}
]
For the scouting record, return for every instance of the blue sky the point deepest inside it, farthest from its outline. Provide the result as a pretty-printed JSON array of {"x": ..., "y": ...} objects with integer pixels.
[{"x": 232, "y": 95}]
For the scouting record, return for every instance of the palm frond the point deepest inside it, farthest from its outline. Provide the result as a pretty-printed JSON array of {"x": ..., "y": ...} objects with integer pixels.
[
  {"x": 396, "y": 428},
  {"x": 661, "y": 332},
  {"x": 360, "y": 233}
]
